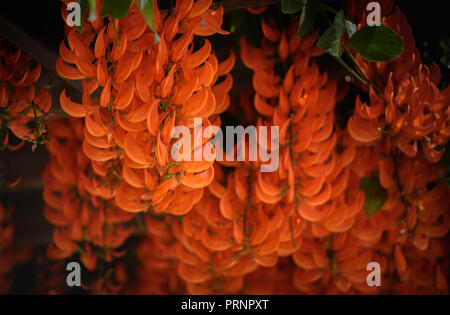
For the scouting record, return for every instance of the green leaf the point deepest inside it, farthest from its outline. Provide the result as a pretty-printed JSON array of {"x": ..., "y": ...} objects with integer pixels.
[
  {"x": 307, "y": 20},
  {"x": 84, "y": 6},
  {"x": 146, "y": 8},
  {"x": 330, "y": 41},
  {"x": 375, "y": 195},
  {"x": 116, "y": 8},
  {"x": 242, "y": 23},
  {"x": 92, "y": 10},
  {"x": 377, "y": 43},
  {"x": 350, "y": 27},
  {"x": 292, "y": 6}
]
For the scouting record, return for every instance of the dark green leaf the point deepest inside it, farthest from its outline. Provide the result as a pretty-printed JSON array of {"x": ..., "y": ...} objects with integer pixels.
[
  {"x": 292, "y": 6},
  {"x": 377, "y": 43},
  {"x": 350, "y": 27},
  {"x": 307, "y": 20},
  {"x": 84, "y": 6},
  {"x": 330, "y": 41},
  {"x": 237, "y": 22},
  {"x": 116, "y": 8},
  {"x": 242, "y": 23},
  {"x": 375, "y": 195},
  {"x": 146, "y": 8},
  {"x": 92, "y": 10}
]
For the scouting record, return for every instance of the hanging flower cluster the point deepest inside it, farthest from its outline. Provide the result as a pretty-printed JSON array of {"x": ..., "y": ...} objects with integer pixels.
[
  {"x": 84, "y": 222},
  {"x": 404, "y": 128},
  {"x": 137, "y": 86},
  {"x": 23, "y": 109},
  {"x": 156, "y": 260},
  {"x": 146, "y": 89},
  {"x": 343, "y": 196},
  {"x": 312, "y": 209},
  {"x": 315, "y": 190}
]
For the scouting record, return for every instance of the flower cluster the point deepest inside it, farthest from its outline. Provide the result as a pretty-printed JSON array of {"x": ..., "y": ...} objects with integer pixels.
[
  {"x": 145, "y": 89},
  {"x": 221, "y": 227},
  {"x": 404, "y": 128},
  {"x": 23, "y": 110}
]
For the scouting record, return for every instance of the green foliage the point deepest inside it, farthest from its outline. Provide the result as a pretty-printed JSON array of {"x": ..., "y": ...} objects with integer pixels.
[
  {"x": 243, "y": 23},
  {"x": 377, "y": 43},
  {"x": 92, "y": 10},
  {"x": 116, "y": 8},
  {"x": 146, "y": 9},
  {"x": 374, "y": 43},
  {"x": 292, "y": 6},
  {"x": 375, "y": 195},
  {"x": 350, "y": 27},
  {"x": 307, "y": 20},
  {"x": 84, "y": 6},
  {"x": 330, "y": 41}
]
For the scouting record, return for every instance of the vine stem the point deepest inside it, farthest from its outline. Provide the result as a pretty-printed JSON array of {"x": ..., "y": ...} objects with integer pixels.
[
  {"x": 115, "y": 32},
  {"x": 352, "y": 72},
  {"x": 365, "y": 80},
  {"x": 111, "y": 113},
  {"x": 348, "y": 68},
  {"x": 291, "y": 228},
  {"x": 355, "y": 62},
  {"x": 38, "y": 128}
]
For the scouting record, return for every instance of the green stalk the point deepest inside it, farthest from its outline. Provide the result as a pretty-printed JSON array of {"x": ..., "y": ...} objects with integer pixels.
[
  {"x": 352, "y": 72},
  {"x": 355, "y": 62},
  {"x": 111, "y": 113},
  {"x": 291, "y": 227},
  {"x": 115, "y": 32}
]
